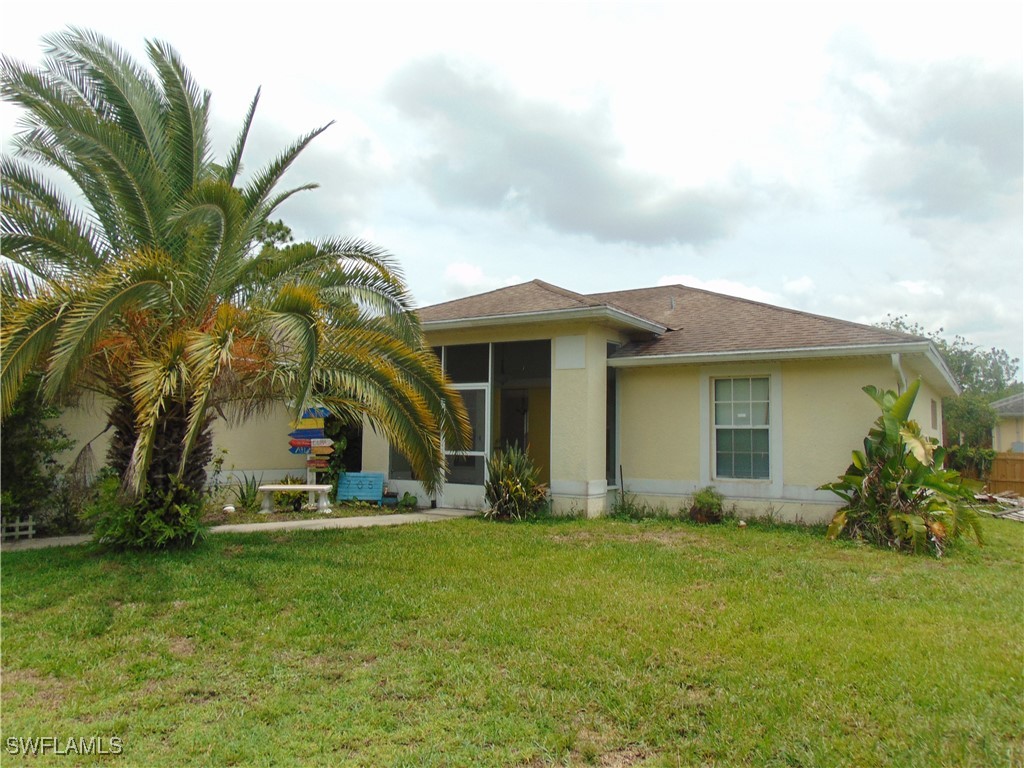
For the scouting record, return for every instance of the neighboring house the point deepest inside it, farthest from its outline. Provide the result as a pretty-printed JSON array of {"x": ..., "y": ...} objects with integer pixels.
[
  {"x": 664, "y": 391},
  {"x": 1008, "y": 433}
]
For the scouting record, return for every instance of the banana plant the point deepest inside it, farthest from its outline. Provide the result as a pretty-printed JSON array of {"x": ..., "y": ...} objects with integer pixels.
[{"x": 896, "y": 491}]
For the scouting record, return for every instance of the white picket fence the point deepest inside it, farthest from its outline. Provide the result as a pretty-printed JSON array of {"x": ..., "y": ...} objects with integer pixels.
[{"x": 12, "y": 529}]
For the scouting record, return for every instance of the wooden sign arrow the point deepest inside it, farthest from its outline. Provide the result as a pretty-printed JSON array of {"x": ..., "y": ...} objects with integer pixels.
[
  {"x": 297, "y": 442},
  {"x": 306, "y": 434},
  {"x": 316, "y": 464},
  {"x": 308, "y": 424},
  {"x": 321, "y": 441},
  {"x": 299, "y": 449},
  {"x": 316, "y": 413},
  {"x": 322, "y": 450}
]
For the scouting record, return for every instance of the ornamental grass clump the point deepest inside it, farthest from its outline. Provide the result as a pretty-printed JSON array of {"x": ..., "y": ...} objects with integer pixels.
[
  {"x": 513, "y": 490},
  {"x": 897, "y": 492}
]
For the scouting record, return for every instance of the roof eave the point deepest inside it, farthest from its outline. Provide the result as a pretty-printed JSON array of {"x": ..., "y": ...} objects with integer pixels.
[
  {"x": 925, "y": 348},
  {"x": 610, "y": 314}
]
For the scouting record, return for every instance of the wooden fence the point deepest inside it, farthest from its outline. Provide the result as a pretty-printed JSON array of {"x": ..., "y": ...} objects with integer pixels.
[{"x": 1007, "y": 473}]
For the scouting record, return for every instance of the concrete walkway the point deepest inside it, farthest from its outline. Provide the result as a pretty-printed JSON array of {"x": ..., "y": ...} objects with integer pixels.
[{"x": 316, "y": 524}]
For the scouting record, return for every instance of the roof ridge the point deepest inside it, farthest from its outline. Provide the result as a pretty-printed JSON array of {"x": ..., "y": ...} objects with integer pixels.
[
  {"x": 565, "y": 292},
  {"x": 475, "y": 295}
]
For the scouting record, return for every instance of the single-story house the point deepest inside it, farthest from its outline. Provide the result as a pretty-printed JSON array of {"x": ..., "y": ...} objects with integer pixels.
[
  {"x": 1008, "y": 433},
  {"x": 658, "y": 391},
  {"x": 662, "y": 391}
]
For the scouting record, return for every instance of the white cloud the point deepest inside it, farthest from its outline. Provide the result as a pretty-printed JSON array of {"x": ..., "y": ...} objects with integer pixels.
[
  {"x": 800, "y": 286},
  {"x": 465, "y": 279},
  {"x": 721, "y": 285}
]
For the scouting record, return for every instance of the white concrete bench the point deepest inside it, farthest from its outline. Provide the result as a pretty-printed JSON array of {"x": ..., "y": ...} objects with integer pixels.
[{"x": 323, "y": 503}]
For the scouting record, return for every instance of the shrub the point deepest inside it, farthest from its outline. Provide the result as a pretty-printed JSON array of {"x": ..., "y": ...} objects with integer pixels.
[
  {"x": 408, "y": 501},
  {"x": 896, "y": 491},
  {"x": 707, "y": 506},
  {"x": 157, "y": 521},
  {"x": 247, "y": 493},
  {"x": 291, "y": 501},
  {"x": 513, "y": 490},
  {"x": 30, "y": 477}
]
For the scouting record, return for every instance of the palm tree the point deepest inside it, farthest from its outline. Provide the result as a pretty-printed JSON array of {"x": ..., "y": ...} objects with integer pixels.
[{"x": 150, "y": 288}]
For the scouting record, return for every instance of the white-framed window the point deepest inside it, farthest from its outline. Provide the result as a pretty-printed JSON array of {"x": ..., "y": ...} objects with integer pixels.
[{"x": 742, "y": 427}]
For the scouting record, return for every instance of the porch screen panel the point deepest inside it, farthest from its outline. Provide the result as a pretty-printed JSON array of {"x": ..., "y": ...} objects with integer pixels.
[{"x": 467, "y": 468}]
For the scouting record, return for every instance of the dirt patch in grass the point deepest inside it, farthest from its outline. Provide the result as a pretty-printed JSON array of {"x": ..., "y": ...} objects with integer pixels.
[
  {"x": 182, "y": 646},
  {"x": 45, "y": 691},
  {"x": 672, "y": 537}
]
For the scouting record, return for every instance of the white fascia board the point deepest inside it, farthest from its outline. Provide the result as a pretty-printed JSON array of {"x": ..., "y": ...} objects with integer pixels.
[
  {"x": 936, "y": 359},
  {"x": 792, "y": 353},
  {"x": 553, "y": 315}
]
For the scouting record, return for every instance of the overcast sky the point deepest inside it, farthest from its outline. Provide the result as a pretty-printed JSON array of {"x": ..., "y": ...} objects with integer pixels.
[{"x": 854, "y": 160}]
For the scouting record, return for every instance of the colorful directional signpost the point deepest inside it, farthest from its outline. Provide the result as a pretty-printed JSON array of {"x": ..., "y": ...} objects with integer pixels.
[{"x": 307, "y": 438}]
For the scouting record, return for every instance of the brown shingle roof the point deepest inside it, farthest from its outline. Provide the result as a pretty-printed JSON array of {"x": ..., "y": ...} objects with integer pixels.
[
  {"x": 702, "y": 322},
  {"x": 698, "y": 322},
  {"x": 535, "y": 296}
]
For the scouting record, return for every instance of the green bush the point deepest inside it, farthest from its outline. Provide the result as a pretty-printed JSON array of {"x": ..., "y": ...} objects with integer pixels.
[
  {"x": 896, "y": 491},
  {"x": 155, "y": 522},
  {"x": 513, "y": 490},
  {"x": 247, "y": 493},
  {"x": 707, "y": 506},
  {"x": 291, "y": 501},
  {"x": 30, "y": 477},
  {"x": 408, "y": 501}
]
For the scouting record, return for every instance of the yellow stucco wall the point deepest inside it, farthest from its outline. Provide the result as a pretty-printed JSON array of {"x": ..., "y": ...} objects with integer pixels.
[
  {"x": 259, "y": 446},
  {"x": 659, "y": 422},
  {"x": 1008, "y": 431},
  {"x": 665, "y": 440},
  {"x": 826, "y": 415}
]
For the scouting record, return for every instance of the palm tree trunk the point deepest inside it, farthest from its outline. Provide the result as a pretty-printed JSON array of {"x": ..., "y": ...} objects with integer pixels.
[{"x": 167, "y": 447}]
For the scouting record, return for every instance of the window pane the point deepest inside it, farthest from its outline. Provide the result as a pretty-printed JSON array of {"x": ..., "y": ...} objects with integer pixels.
[
  {"x": 467, "y": 363},
  {"x": 759, "y": 414},
  {"x": 741, "y": 440},
  {"x": 725, "y": 440},
  {"x": 760, "y": 465},
  {"x": 723, "y": 467},
  {"x": 723, "y": 415},
  {"x": 759, "y": 440},
  {"x": 742, "y": 465},
  {"x": 741, "y": 390}
]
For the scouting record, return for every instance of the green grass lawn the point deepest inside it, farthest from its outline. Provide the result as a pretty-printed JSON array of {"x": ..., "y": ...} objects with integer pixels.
[{"x": 567, "y": 642}]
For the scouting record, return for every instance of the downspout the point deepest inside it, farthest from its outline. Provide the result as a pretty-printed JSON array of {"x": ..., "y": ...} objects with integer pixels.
[{"x": 901, "y": 377}]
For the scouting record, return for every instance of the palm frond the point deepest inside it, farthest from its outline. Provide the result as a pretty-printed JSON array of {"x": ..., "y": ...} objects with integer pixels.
[
  {"x": 145, "y": 285},
  {"x": 186, "y": 118},
  {"x": 229, "y": 172},
  {"x": 263, "y": 183},
  {"x": 25, "y": 338}
]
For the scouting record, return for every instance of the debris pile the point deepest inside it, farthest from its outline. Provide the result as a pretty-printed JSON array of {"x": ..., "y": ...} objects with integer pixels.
[{"x": 1003, "y": 504}]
